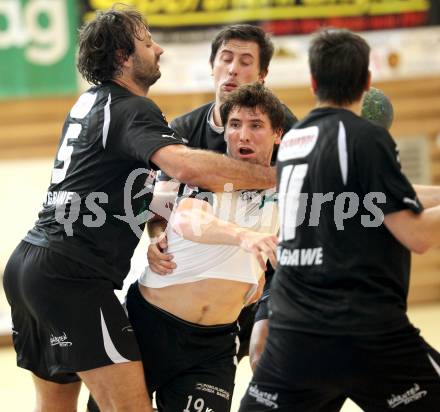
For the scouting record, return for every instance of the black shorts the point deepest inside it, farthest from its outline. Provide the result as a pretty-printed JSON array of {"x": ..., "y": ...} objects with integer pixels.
[
  {"x": 190, "y": 367},
  {"x": 64, "y": 322},
  {"x": 262, "y": 312},
  {"x": 245, "y": 321},
  {"x": 305, "y": 372}
]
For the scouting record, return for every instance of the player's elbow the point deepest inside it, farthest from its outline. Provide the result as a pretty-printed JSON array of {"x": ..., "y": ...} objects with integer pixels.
[
  {"x": 420, "y": 246},
  {"x": 418, "y": 243},
  {"x": 415, "y": 232}
]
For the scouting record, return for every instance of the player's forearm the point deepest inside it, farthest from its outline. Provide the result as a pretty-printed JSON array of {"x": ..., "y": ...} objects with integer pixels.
[
  {"x": 212, "y": 171},
  {"x": 242, "y": 175},
  {"x": 429, "y": 227},
  {"x": 419, "y": 232},
  {"x": 202, "y": 227},
  {"x": 429, "y": 196}
]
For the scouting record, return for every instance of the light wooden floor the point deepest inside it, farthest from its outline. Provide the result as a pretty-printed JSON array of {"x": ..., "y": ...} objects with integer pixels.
[{"x": 16, "y": 390}]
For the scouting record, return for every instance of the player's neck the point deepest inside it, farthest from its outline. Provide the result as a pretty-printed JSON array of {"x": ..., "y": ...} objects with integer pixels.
[
  {"x": 131, "y": 86},
  {"x": 216, "y": 114},
  {"x": 353, "y": 107}
]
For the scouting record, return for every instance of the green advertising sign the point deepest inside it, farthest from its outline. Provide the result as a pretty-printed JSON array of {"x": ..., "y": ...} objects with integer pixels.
[{"x": 37, "y": 47}]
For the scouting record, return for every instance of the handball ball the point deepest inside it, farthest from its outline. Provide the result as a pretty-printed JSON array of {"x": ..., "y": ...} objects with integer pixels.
[{"x": 377, "y": 108}]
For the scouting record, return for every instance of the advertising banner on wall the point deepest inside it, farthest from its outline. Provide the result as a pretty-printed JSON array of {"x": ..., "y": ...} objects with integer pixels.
[
  {"x": 281, "y": 17},
  {"x": 395, "y": 55},
  {"x": 187, "y": 27},
  {"x": 37, "y": 47}
]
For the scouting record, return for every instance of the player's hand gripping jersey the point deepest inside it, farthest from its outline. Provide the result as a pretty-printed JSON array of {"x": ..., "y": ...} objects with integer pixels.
[{"x": 256, "y": 210}]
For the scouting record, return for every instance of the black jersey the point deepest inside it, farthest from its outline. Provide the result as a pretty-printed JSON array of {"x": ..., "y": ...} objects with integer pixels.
[
  {"x": 100, "y": 180},
  {"x": 340, "y": 269},
  {"x": 196, "y": 128}
]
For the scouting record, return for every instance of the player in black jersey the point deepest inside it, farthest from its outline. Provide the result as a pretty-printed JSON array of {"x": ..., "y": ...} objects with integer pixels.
[
  {"x": 239, "y": 54},
  {"x": 68, "y": 325},
  {"x": 349, "y": 220}
]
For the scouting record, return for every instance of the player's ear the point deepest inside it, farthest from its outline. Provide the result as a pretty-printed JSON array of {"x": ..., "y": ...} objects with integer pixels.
[
  {"x": 120, "y": 58},
  {"x": 313, "y": 84},
  {"x": 368, "y": 85},
  {"x": 277, "y": 136},
  {"x": 262, "y": 75}
]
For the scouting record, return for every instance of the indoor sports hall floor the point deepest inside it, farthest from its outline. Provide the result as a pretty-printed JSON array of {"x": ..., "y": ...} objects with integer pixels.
[{"x": 16, "y": 390}]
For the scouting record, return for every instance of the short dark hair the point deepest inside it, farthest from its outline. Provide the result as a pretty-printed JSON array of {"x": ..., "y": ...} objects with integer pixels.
[
  {"x": 252, "y": 96},
  {"x": 107, "y": 41},
  {"x": 339, "y": 61},
  {"x": 245, "y": 32}
]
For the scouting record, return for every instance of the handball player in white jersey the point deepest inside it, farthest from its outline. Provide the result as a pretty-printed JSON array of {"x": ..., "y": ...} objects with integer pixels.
[{"x": 185, "y": 322}]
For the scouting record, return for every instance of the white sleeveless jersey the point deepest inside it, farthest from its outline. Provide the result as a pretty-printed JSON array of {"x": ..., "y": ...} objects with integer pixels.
[{"x": 255, "y": 210}]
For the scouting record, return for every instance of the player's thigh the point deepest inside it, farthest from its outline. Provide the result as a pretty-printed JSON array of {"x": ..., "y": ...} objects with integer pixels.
[
  {"x": 121, "y": 385},
  {"x": 56, "y": 397}
]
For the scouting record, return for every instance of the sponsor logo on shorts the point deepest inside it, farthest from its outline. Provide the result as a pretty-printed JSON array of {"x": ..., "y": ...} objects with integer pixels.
[
  {"x": 60, "y": 340},
  {"x": 205, "y": 387},
  {"x": 265, "y": 398},
  {"x": 411, "y": 395}
]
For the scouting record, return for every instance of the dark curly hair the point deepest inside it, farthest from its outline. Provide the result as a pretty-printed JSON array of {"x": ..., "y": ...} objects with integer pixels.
[
  {"x": 107, "y": 41},
  {"x": 245, "y": 32},
  {"x": 252, "y": 96}
]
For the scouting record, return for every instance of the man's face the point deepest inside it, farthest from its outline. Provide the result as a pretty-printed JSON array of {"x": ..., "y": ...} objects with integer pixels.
[
  {"x": 250, "y": 136},
  {"x": 145, "y": 60},
  {"x": 237, "y": 62}
]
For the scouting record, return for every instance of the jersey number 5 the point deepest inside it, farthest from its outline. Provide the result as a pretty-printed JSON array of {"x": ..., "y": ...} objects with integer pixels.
[
  {"x": 80, "y": 110},
  {"x": 65, "y": 153}
]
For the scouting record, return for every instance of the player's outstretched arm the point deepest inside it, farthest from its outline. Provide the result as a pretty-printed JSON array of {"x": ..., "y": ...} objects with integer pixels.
[
  {"x": 211, "y": 170},
  {"x": 194, "y": 220},
  {"x": 417, "y": 232}
]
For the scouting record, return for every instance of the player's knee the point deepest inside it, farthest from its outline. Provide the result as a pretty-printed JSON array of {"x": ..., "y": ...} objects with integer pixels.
[{"x": 55, "y": 396}]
